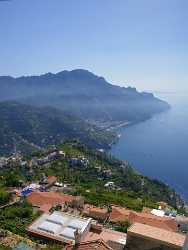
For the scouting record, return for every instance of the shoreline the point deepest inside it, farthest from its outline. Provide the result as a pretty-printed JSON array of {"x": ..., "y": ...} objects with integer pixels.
[
  {"x": 125, "y": 125},
  {"x": 120, "y": 125}
]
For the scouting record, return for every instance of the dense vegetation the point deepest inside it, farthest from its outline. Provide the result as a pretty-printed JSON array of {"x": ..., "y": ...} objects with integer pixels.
[
  {"x": 84, "y": 94},
  {"x": 132, "y": 189},
  {"x": 4, "y": 197},
  {"x": 16, "y": 218},
  {"x": 29, "y": 128}
]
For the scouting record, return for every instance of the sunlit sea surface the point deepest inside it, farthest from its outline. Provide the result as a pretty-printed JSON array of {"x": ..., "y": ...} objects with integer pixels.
[{"x": 159, "y": 147}]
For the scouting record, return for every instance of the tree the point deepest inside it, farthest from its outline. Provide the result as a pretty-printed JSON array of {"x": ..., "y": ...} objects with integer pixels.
[
  {"x": 4, "y": 197},
  {"x": 122, "y": 226},
  {"x": 12, "y": 180}
]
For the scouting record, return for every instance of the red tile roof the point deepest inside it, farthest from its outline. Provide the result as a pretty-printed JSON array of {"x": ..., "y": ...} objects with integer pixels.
[
  {"x": 45, "y": 208},
  {"x": 153, "y": 220},
  {"x": 40, "y": 199},
  {"x": 119, "y": 214},
  {"x": 95, "y": 212},
  {"x": 51, "y": 179},
  {"x": 122, "y": 214},
  {"x": 90, "y": 245},
  {"x": 106, "y": 235},
  {"x": 175, "y": 240}
]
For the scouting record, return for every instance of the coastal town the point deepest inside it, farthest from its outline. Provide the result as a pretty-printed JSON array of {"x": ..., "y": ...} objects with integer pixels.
[
  {"x": 72, "y": 222},
  {"x": 93, "y": 115}
]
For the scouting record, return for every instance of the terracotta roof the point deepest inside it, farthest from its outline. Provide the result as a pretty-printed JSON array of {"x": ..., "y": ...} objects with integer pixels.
[
  {"x": 42, "y": 198},
  {"x": 107, "y": 235},
  {"x": 45, "y": 208},
  {"x": 51, "y": 179},
  {"x": 119, "y": 214},
  {"x": 146, "y": 210},
  {"x": 90, "y": 245},
  {"x": 153, "y": 233},
  {"x": 153, "y": 220},
  {"x": 95, "y": 212}
]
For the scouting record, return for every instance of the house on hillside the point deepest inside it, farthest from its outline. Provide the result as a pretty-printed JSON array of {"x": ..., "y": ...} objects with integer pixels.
[
  {"x": 48, "y": 182},
  {"x": 60, "y": 227},
  {"x": 110, "y": 185},
  {"x": 144, "y": 237},
  {"x": 166, "y": 223},
  {"x": 97, "y": 213},
  {"x": 44, "y": 201},
  {"x": 79, "y": 162},
  {"x": 3, "y": 162}
]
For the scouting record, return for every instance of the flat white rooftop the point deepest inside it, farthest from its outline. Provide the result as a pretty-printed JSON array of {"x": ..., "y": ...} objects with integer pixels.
[{"x": 60, "y": 225}]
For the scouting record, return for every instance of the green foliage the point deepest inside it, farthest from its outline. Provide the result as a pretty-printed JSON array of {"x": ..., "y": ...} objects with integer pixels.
[
  {"x": 136, "y": 191},
  {"x": 56, "y": 208},
  {"x": 4, "y": 197},
  {"x": 122, "y": 226},
  {"x": 4, "y": 247},
  {"x": 31, "y": 128},
  {"x": 12, "y": 179},
  {"x": 16, "y": 218},
  {"x": 100, "y": 197}
]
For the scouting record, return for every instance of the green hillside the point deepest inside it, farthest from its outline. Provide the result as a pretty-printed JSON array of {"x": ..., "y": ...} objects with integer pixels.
[{"x": 28, "y": 128}]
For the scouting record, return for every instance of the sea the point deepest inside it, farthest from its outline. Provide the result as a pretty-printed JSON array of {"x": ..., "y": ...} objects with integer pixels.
[{"x": 158, "y": 147}]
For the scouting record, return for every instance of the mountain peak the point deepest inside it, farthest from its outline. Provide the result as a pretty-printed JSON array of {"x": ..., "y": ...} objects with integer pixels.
[{"x": 77, "y": 73}]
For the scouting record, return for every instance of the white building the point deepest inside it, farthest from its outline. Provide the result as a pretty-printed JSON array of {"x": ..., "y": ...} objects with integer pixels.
[{"x": 60, "y": 226}]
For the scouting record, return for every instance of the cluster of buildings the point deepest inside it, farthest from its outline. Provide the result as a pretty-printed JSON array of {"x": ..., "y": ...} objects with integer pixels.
[
  {"x": 67, "y": 219},
  {"x": 78, "y": 162},
  {"x": 46, "y": 184},
  {"x": 13, "y": 160},
  {"x": 70, "y": 224},
  {"x": 75, "y": 230},
  {"x": 16, "y": 159},
  {"x": 49, "y": 156}
]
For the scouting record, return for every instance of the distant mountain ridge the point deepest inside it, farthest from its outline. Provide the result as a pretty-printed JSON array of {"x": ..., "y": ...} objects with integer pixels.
[{"x": 83, "y": 94}]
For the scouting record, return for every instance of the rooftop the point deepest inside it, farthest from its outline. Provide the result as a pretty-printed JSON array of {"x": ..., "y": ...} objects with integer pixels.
[
  {"x": 166, "y": 223},
  {"x": 59, "y": 226},
  {"x": 91, "y": 245},
  {"x": 153, "y": 233},
  {"x": 51, "y": 179},
  {"x": 107, "y": 236},
  {"x": 40, "y": 199},
  {"x": 119, "y": 214},
  {"x": 95, "y": 212}
]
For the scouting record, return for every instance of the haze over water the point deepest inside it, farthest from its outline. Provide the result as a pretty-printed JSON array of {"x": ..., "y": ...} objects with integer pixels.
[{"x": 158, "y": 147}]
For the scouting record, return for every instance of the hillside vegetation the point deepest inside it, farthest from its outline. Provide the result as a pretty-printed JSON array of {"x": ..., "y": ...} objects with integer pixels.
[
  {"x": 28, "y": 128},
  {"x": 132, "y": 190}
]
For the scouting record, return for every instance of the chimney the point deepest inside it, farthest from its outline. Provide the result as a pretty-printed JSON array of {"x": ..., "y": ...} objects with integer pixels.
[{"x": 77, "y": 237}]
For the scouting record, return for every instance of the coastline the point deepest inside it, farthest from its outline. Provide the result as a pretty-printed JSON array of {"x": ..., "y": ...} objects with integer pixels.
[{"x": 140, "y": 169}]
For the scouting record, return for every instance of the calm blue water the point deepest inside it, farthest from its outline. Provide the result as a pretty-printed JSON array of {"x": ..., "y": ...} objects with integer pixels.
[{"x": 159, "y": 147}]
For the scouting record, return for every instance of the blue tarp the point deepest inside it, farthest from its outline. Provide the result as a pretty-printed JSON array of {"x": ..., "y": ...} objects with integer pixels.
[{"x": 26, "y": 192}]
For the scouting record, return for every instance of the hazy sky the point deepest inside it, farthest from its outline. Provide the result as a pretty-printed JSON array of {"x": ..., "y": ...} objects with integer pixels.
[{"x": 143, "y": 43}]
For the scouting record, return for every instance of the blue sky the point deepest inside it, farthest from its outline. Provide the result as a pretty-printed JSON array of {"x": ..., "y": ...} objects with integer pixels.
[{"x": 143, "y": 43}]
